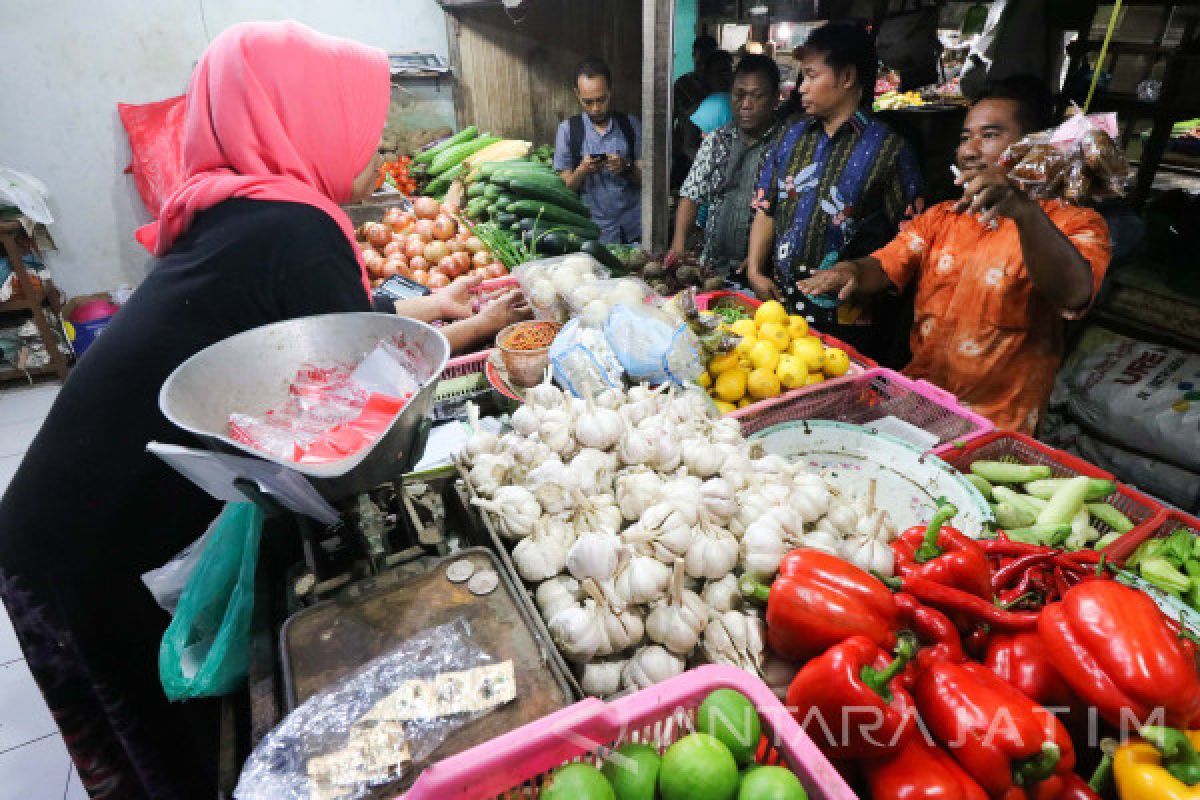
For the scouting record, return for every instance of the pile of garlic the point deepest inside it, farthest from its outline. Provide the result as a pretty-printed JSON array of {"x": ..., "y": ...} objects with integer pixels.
[{"x": 631, "y": 515}]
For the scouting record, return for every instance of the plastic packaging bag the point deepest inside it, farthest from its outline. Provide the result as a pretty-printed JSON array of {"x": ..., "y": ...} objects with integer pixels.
[
  {"x": 1078, "y": 161},
  {"x": 206, "y": 649},
  {"x": 155, "y": 133},
  {"x": 546, "y": 280},
  {"x": 167, "y": 582},
  {"x": 591, "y": 301},
  {"x": 652, "y": 345},
  {"x": 379, "y": 725},
  {"x": 26, "y": 193},
  {"x": 582, "y": 360}
]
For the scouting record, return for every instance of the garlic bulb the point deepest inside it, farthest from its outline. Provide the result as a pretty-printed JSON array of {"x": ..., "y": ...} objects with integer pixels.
[
  {"x": 718, "y": 498},
  {"x": 666, "y": 526},
  {"x": 611, "y": 399},
  {"x": 840, "y": 519},
  {"x": 555, "y": 431},
  {"x": 667, "y": 452},
  {"x": 490, "y": 471},
  {"x": 557, "y": 594},
  {"x": 544, "y": 394},
  {"x": 702, "y": 458},
  {"x": 738, "y": 470},
  {"x": 809, "y": 497},
  {"x": 595, "y": 555},
  {"x": 778, "y": 674},
  {"x": 641, "y": 580},
  {"x": 822, "y": 538},
  {"x": 764, "y": 544},
  {"x": 642, "y": 393},
  {"x": 636, "y": 447},
  {"x": 685, "y": 492},
  {"x": 725, "y": 430},
  {"x": 636, "y": 490},
  {"x": 553, "y": 484},
  {"x": 526, "y": 452},
  {"x": 640, "y": 404},
  {"x": 722, "y": 595},
  {"x": 526, "y": 419},
  {"x": 713, "y": 553},
  {"x": 677, "y": 623},
  {"x": 596, "y": 513},
  {"x": 515, "y": 508},
  {"x": 734, "y": 638},
  {"x": 602, "y": 678},
  {"x": 650, "y": 665},
  {"x": 539, "y": 557},
  {"x": 593, "y": 470},
  {"x": 599, "y": 427},
  {"x": 481, "y": 441},
  {"x": 772, "y": 464},
  {"x": 578, "y": 632},
  {"x": 868, "y": 553},
  {"x": 623, "y": 628}
]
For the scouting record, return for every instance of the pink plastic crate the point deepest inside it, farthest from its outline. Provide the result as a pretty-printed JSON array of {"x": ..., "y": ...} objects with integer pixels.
[
  {"x": 1144, "y": 512},
  {"x": 863, "y": 399},
  {"x": 465, "y": 365},
  {"x": 517, "y": 763}
]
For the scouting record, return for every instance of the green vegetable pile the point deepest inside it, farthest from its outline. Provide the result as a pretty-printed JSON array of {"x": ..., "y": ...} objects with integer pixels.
[
  {"x": 715, "y": 763},
  {"x": 1171, "y": 564},
  {"x": 1032, "y": 507}
]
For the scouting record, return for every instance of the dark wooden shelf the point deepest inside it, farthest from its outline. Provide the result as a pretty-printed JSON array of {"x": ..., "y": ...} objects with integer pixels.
[
  {"x": 22, "y": 303},
  {"x": 24, "y": 374}
]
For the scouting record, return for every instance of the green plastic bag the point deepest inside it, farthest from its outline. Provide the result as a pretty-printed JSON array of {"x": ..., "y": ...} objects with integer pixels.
[{"x": 206, "y": 649}]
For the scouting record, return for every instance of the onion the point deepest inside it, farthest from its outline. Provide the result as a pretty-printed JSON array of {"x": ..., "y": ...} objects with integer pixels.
[
  {"x": 413, "y": 247},
  {"x": 378, "y": 235},
  {"x": 376, "y": 283},
  {"x": 421, "y": 276},
  {"x": 390, "y": 267},
  {"x": 393, "y": 248},
  {"x": 444, "y": 228},
  {"x": 475, "y": 244},
  {"x": 435, "y": 252},
  {"x": 391, "y": 215},
  {"x": 482, "y": 258},
  {"x": 438, "y": 281},
  {"x": 449, "y": 209},
  {"x": 418, "y": 263},
  {"x": 424, "y": 229},
  {"x": 403, "y": 223},
  {"x": 426, "y": 208},
  {"x": 462, "y": 262},
  {"x": 448, "y": 266},
  {"x": 496, "y": 270}
]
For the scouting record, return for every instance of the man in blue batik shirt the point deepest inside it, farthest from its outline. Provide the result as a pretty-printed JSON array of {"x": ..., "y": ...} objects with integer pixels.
[{"x": 598, "y": 154}]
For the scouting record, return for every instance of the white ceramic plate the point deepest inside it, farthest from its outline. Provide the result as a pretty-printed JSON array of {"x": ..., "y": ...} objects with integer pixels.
[{"x": 908, "y": 481}]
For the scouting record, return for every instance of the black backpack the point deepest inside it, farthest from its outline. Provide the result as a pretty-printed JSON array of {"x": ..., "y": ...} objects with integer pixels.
[{"x": 575, "y": 136}]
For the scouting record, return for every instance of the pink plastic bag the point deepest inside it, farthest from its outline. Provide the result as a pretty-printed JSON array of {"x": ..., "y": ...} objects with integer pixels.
[{"x": 156, "y": 138}]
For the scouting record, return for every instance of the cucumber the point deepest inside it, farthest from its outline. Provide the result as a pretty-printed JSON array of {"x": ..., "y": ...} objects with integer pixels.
[
  {"x": 476, "y": 190},
  {"x": 1110, "y": 516},
  {"x": 548, "y": 212},
  {"x": 494, "y": 168},
  {"x": 981, "y": 484},
  {"x": 440, "y": 184},
  {"x": 465, "y": 135},
  {"x": 504, "y": 201},
  {"x": 1009, "y": 516},
  {"x": 1065, "y": 503},
  {"x": 537, "y": 188},
  {"x": 1046, "y": 535},
  {"x": 1098, "y": 488},
  {"x": 605, "y": 256},
  {"x": 548, "y": 244},
  {"x": 1021, "y": 502},
  {"x": 476, "y": 208},
  {"x": 504, "y": 219},
  {"x": 453, "y": 156},
  {"x": 1003, "y": 472},
  {"x": 492, "y": 190},
  {"x": 528, "y": 224}
]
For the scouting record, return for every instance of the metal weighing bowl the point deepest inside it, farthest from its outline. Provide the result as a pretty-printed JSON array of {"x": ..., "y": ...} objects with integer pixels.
[{"x": 250, "y": 373}]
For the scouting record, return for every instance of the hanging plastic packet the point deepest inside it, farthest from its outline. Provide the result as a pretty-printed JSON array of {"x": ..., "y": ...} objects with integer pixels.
[
  {"x": 1079, "y": 161},
  {"x": 582, "y": 360},
  {"x": 652, "y": 346}
]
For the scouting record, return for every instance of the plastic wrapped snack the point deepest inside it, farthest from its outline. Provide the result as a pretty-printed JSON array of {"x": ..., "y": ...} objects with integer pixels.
[
  {"x": 1079, "y": 161},
  {"x": 547, "y": 280},
  {"x": 380, "y": 725},
  {"x": 582, "y": 360},
  {"x": 592, "y": 301}
]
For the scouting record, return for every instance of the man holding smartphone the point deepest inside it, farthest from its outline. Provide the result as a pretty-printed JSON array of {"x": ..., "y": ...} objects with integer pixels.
[{"x": 597, "y": 153}]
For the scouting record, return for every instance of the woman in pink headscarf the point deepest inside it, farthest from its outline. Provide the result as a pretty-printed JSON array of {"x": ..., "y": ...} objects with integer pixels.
[{"x": 282, "y": 126}]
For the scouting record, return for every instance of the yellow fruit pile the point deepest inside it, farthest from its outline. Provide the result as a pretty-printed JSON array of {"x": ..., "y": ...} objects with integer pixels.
[{"x": 777, "y": 354}]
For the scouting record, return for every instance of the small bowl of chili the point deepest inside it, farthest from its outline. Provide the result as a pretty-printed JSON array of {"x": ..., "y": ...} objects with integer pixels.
[{"x": 525, "y": 349}]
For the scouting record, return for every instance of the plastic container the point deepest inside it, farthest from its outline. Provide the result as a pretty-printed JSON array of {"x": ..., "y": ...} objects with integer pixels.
[
  {"x": 89, "y": 319},
  {"x": 525, "y": 367},
  {"x": 1145, "y": 512},
  {"x": 1161, "y": 526},
  {"x": 518, "y": 763},
  {"x": 868, "y": 398}
]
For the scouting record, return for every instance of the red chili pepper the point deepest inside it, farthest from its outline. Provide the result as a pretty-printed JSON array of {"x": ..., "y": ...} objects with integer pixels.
[
  {"x": 1018, "y": 566},
  {"x": 1008, "y": 547},
  {"x": 1060, "y": 584},
  {"x": 819, "y": 601},
  {"x": 851, "y": 700},
  {"x": 934, "y": 629},
  {"x": 970, "y": 606},
  {"x": 976, "y": 641},
  {"x": 943, "y": 555},
  {"x": 1076, "y": 788},
  {"x": 919, "y": 770},
  {"x": 1021, "y": 660},
  {"x": 1119, "y": 653},
  {"x": 1012, "y": 746}
]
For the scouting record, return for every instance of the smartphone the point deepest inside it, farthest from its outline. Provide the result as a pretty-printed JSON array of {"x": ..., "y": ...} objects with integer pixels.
[{"x": 399, "y": 287}]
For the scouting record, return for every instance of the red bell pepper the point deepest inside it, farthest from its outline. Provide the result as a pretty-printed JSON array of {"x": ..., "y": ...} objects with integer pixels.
[
  {"x": 1119, "y": 653},
  {"x": 933, "y": 628},
  {"x": 1021, "y": 659},
  {"x": 1076, "y": 788},
  {"x": 1012, "y": 746},
  {"x": 851, "y": 701},
  {"x": 944, "y": 555},
  {"x": 819, "y": 601},
  {"x": 919, "y": 770}
]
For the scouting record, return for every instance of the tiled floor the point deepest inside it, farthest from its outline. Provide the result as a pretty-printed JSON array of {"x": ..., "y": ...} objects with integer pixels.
[{"x": 33, "y": 760}]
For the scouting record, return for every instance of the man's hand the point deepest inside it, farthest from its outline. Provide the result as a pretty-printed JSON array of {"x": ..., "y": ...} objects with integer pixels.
[
  {"x": 990, "y": 194},
  {"x": 454, "y": 301},
  {"x": 589, "y": 166},
  {"x": 841, "y": 279},
  {"x": 503, "y": 311},
  {"x": 764, "y": 287},
  {"x": 616, "y": 165}
]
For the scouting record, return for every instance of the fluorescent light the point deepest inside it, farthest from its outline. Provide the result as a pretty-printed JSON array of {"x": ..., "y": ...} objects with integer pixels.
[{"x": 758, "y": 10}]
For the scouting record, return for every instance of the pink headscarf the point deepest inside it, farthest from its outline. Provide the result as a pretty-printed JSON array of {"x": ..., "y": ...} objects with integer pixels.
[{"x": 276, "y": 111}]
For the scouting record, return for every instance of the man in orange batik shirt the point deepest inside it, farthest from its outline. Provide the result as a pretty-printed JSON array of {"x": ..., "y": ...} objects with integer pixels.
[{"x": 997, "y": 274}]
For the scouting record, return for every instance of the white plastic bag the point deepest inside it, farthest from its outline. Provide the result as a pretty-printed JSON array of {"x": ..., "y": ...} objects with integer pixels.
[
  {"x": 26, "y": 193},
  {"x": 652, "y": 346},
  {"x": 583, "y": 362},
  {"x": 166, "y": 582},
  {"x": 546, "y": 280}
]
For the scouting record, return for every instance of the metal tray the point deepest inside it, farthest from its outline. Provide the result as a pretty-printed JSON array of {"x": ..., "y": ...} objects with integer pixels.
[{"x": 321, "y": 645}]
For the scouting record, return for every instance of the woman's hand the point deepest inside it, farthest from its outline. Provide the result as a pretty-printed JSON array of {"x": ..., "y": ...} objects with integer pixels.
[
  {"x": 840, "y": 279},
  {"x": 763, "y": 286},
  {"x": 454, "y": 301},
  {"x": 504, "y": 310}
]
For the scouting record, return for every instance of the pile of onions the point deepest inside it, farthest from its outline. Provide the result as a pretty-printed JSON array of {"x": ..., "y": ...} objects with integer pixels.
[{"x": 430, "y": 246}]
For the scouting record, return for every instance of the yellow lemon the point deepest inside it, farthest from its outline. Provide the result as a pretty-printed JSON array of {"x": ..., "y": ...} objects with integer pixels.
[
  {"x": 809, "y": 350},
  {"x": 724, "y": 407},
  {"x": 797, "y": 326},
  {"x": 731, "y": 385},
  {"x": 771, "y": 311},
  {"x": 743, "y": 347},
  {"x": 791, "y": 373},
  {"x": 744, "y": 327},
  {"x": 762, "y": 384},
  {"x": 745, "y": 401},
  {"x": 814, "y": 378},
  {"x": 764, "y": 355},
  {"x": 705, "y": 380},
  {"x": 722, "y": 363},
  {"x": 836, "y": 362},
  {"x": 775, "y": 334}
]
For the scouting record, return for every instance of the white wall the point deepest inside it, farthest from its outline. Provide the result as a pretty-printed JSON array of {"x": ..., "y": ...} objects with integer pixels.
[{"x": 67, "y": 63}]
